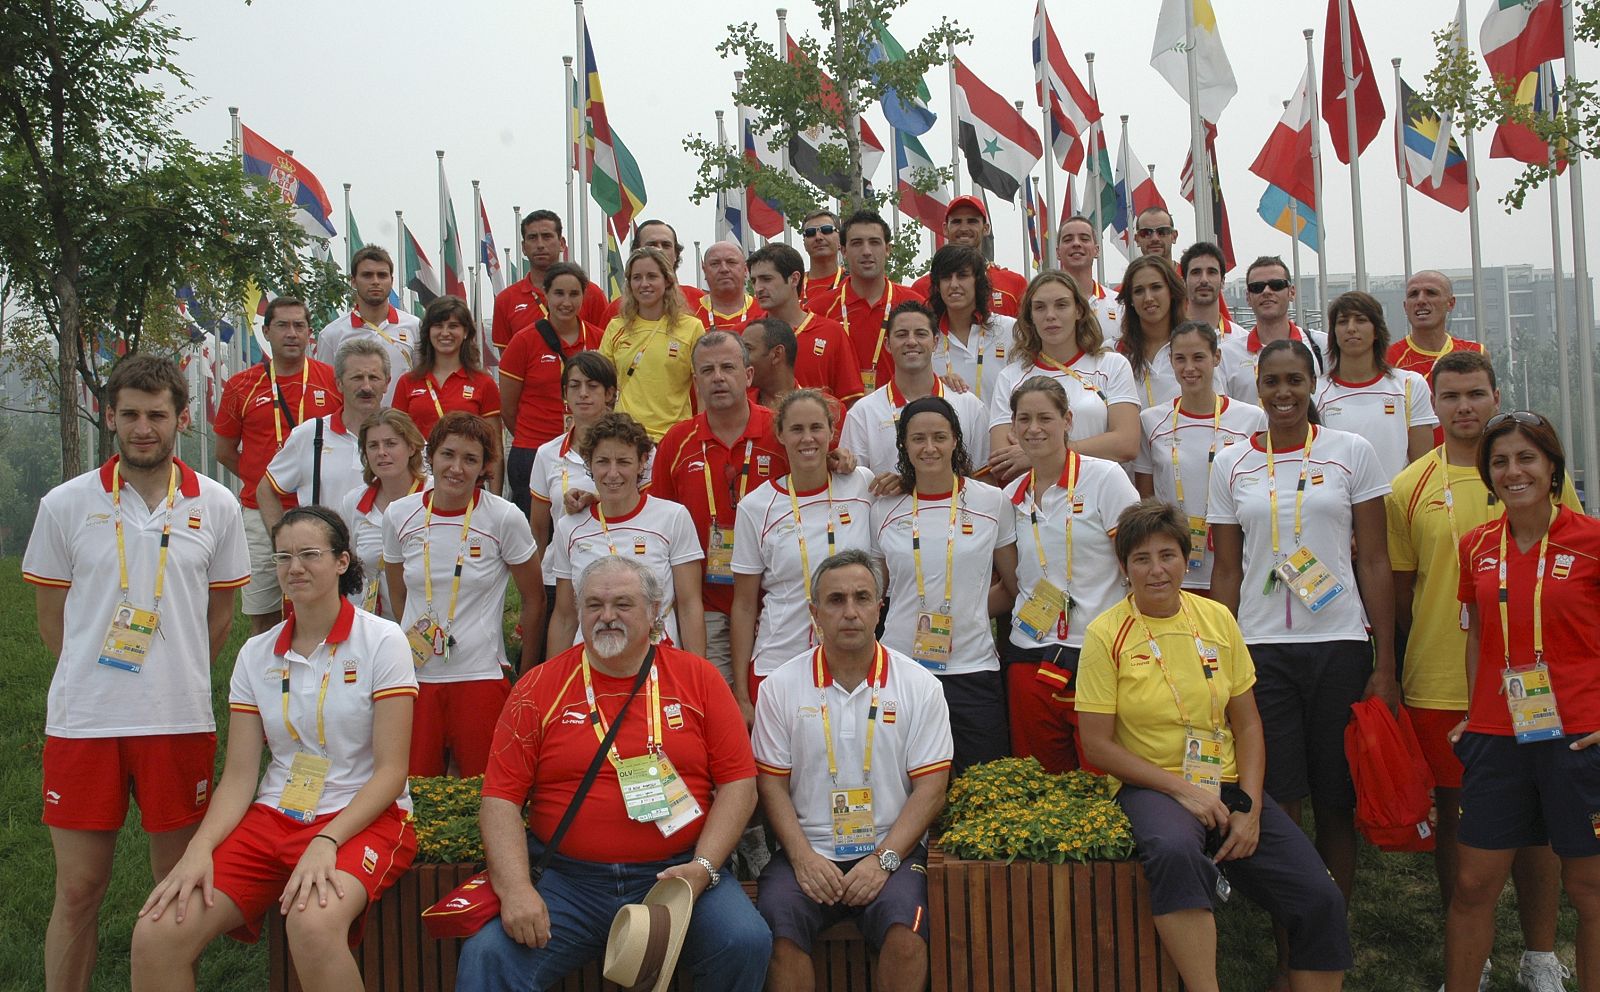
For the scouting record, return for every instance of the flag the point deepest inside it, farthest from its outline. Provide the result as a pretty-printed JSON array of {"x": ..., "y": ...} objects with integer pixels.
[
  {"x": 1369, "y": 102},
  {"x": 1169, "y": 56},
  {"x": 1030, "y": 195},
  {"x": 1420, "y": 138},
  {"x": 454, "y": 284},
  {"x": 1219, "y": 208},
  {"x": 1518, "y": 35},
  {"x": 613, "y": 265},
  {"x": 909, "y": 114},
  {"x": 615, "y": 182},
  {"x": 1132, "y": 175},
  {"x": 299, "y": 188},
  {"x": 1069, "y": 204},
  {"x": 999, "y": 146},
  {"x": 805, "y": 147},
  {"x": 928, "y": 208},
  {"x": 1285, "y": 160},
  {"x": 1289, "y": 215},
  {"x": 420, "y": 277},
  {"x": 1102, "y": 184},
  {"x": 488, "y": 256},
  {"x": 730, "y": 217},
  {"x": 1538, "y": 92},
  {"x": 352, "y": 234},
  {"x": 1072, "y": 109},
  {"x": 765, "y": 215}
]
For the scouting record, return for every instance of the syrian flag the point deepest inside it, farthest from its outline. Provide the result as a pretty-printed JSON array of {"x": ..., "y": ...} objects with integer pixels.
[
  {"x": 927, "y": 209},
  {"x": 1057, "y": 87},
  {"x": 766, "y": 216},
  {"x": 805, "y": 148},
  {"x": 1518, "y": 35},
  {"x": 420, "y": 277},
  {"x": 1285, "y": 160},
  {"x": 999, "y": 146},
  {"x": 313, "y": 211}
]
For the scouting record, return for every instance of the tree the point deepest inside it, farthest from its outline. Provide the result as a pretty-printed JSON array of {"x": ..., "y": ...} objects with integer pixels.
[
  {"x": 1456, "y": 85},
  {"x": 105, "y": 208},
  {"x": 787, "y": 98}
]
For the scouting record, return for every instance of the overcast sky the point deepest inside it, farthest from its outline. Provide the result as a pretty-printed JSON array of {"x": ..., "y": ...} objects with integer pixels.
[{"x": 365, "y": 92}]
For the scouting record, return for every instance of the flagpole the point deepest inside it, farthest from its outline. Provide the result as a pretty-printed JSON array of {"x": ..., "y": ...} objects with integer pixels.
[
  {"x": 349, "y": 249},
  {"x": 510, "y": 268},
  {"x": 241, "y": 335},
  {"x": 1047, "y": 209},
  {"x": 1347, "y": 57},
  {"x": 1563, "y": 336},
  {"x": 698, "y": 266},
  {"x": 583, "y": 180},
  {"x": 1316, "y": 172},
  {"x": 721, "y": 224},
  {"x": 477, "y": 251},
  {"x": 1582, "y": 296},
  {"x": 444, "y": 227},
  {"x": 894, "y": 199},
  {"x": 570, "y": 156},
  {"x": 1128, "y": 182},
  {"x": 516, "y": 225},
  {"x": 400, "y": 256},
  {"x": 1294, "y": 249},
  {"x": 955, "y": 124},
  {"x": 783, "y": 153},
  {"x": 1022, "y": 201},
  {"x": 1200, "y": 162},
  {"x": 1096, "y": 179},
  {"x": 1401, "y": 169}
]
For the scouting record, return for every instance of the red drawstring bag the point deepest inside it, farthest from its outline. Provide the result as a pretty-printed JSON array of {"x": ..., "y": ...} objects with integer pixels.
[
  {"x": 464, "y": 909},
  {"x": 1391, "y": 776}
]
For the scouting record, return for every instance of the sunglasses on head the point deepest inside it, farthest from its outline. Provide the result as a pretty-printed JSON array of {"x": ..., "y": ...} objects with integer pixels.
[
  {"x": 1150, "y": 232},
  {"x": 1276, "y": 285},
  {"x": 1525, "y": 417},
  {"x": 812, "y": 232}
]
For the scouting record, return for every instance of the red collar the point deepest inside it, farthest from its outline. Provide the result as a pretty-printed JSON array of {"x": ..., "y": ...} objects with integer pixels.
[
  {"x": 427, "y": 504},
  {"x": 356, "y": 320},
  {"x": 338, "y": 635},
  {"x": 1253, "y": 341},
  {"x": 594, "y": 510},
  {"x": 1208, "y": 414},
  {"x": 877, "y": 675},
  {"x": 1073, "y": 465},
  {"x": 1057, "y": 366},
  {"x": 755, "y": 427},
  {"x": 1255, "y": 441},
  {"x": 1358, "y": 385},
  {"x": 188, "y": 479},
  {"x": 336, "y": 421},
  {"x": 897, "y": 399}
]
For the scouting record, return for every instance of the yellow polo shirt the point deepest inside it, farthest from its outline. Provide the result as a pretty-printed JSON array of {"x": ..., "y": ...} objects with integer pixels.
[{"x": 654, "y": 381}]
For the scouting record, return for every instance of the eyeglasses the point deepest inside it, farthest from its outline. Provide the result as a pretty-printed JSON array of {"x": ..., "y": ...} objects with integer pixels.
[
  {"x": 812, "y": 232},
  {"x": 1527, "y": 418},
  {"x": 1276, "y": 285},
  {"x": 308, "y": 556},
  {"x": 1150, "y": 232}
]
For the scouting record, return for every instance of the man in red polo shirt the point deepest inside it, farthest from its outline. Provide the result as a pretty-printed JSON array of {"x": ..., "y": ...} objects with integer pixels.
[
  {"x": 865, "y": 298},
  {"x": 819, "y": 233},
  {"x": 661, "y": 236},
  {"x": 726, "y": 306},
  {"x": 966, "y": 222},
  {"x": 822, "y": 358},
  {"x": 260, "y": 405},
  {"x": 708, "y": 463},
  {"x": 522, "y": 303}
]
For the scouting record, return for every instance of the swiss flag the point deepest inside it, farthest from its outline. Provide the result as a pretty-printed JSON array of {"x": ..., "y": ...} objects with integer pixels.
[{"x": 1370, "y": 114}]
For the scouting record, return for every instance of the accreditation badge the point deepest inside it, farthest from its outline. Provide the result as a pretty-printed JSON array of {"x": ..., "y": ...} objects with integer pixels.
[
  {"x": 308, "y": 776},
  {"x": 643, "y": 796},
  {"x": 869, "y": 379},
  {"x": 855, "y": 833},
  {"x": 427, "y": 640},
  {"x": 1041, "y": 614},
  {"x": 369, "y": 596},
  {"x": 1532, "y": 701},
  {"x": 1198, "y": 536},
  {"x": 719, "y": 556},
  {"x": 682, "y": 809},
  {"x": 1202, "y": 762},
  {"x": 128, "y": 639},
  {"x": 1313, "y": 584},
  {"x": 931, "y": 645}
]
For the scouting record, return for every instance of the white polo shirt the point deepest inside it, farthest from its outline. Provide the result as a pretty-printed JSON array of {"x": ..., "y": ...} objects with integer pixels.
[
  {"x": 658, "y": 534},
  {"x": 869, "y": 426},
  {"x": 1382, "y": 410},
  {"x": 766, "y": 543},
  {"x": 1163, "y": 428},
  {"x": 1102, "y": 491},
  {"x": 399, "y": 334},
  {"x": 499, "y": 538},
  {"x": 1107, "y": 311},
  {"x": 291, "y": 469},
  {"x": 1240, "y": 355},
  {"x": 1159, "y": 385},
  {"x": 359, "y": 509},
  {"x": 984, "y": 522},
  {"x": 1344, "y": 471},
  {"x": 1093, "y": 383},
  {"x": 557, "y": 468},
  {"x": 364, "y": 659},
  {"x": 74, "y": 547},
  {"x": 990, "y": 341},
  {"x": 912, "y": 738}
]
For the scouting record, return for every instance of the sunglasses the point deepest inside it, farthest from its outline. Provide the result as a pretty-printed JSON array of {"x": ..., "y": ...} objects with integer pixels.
[
  {"x": 1150, "y": 232},
  {"x": 1276, "y": 285},
  {"x": 812, "y": 232},
  {"x": 1524, "y": 417}
]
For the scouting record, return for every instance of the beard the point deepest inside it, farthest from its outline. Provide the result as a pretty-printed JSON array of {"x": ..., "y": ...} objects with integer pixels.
[
  {"x": 155, "y": 459},
  {"x": 609, "y": 642}
]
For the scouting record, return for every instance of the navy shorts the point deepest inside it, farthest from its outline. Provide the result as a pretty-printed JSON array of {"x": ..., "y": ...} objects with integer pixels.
[
  {"x": 978, "y": 724},
  {"x": 1522, "y": 795},
  {"x": 1304, "y": 693},
  {"x": 793, "y": 915}
]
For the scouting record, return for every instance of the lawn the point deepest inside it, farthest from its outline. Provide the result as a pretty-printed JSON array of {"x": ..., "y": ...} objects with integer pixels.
[{"x": 1396, "y": 924}]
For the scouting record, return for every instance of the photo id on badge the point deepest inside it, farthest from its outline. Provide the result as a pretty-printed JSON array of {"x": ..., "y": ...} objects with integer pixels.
[
  {"x": 682, "y": 809},
  {"x": 643, "y": 793},
  {"x": 1313, "y": 584},
  {"x": 1532, "y": 701},
  {"x": 1041, "y": 616},
  {"x": 427, "y": 640},
  {"x": 719, "y": 556},
  {"x": 931, "y": 645},
  {"x": 1198, "y": 535},
  {"x": 128, "y": 639},
  {"x": 308, "y": 775},
  {"x": 1202, "y": 763},
  {"x": 855, "y": 834}
]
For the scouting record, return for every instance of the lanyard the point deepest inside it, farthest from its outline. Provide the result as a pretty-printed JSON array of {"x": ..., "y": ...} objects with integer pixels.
[
  {"x": 280, "y": 404},
  {"x": 844, "y": 316},
  {"x": 1299, "y": 489},
  {"x": 898, "y": 400},
  {"x": 876, "y": 678},
  {"x": 982, "y": 331},
  {"x": 166, "y": 533},
  {"x": 434, "y": 389},
  {"x": 1051, "y": 365},
  {"x": 949, "y": 546},
  {"x": 660, "y": 323},
  {"x": 1538, "y": 592},
  {"x": 600, "y": 511},
  {"x": 427, "y": 559},
  {"x": 1161, "y": 662},
  {"x": 597, "y": 719},
  {"x": 376, "y": 329},
  {"x": 734, "y": 495},
  {"x": 735, "y": 318},
  {"x": 800, "y": 531},
  {"x": 1211, "y": 455},
  {"x": 1449, "y": 499},
  {"x": 1074, "y": 463},
  {"x": 322, "y": 698}
]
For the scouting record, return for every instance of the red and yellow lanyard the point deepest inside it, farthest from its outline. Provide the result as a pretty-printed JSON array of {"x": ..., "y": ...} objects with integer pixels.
[
  {"x": 1200, "y": 656},
  {"x": 1074, "y": 463},
  {"x": 597, "y": 720},
  {"x": 1504, "y": 594},
  {"x": 322, "y": 699},
  {"x": 1299, "y": 489},
  {"x": 427, "y": 559},
  {"x": 1211, "y": 455},
  {"x": 278, "y": 402},
  {"x": 800, "y": 531},
  {"x": 166, "y": 533},
  {"x": 734, "y": 495},
  {"x": 876, "y": 678},
  {"x": 949, "y": 547},
  {"x": 888, "y": 304}
]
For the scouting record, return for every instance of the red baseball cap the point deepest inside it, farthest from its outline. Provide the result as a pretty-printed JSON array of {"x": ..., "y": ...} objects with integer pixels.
[{"x": 967, "y": 201}]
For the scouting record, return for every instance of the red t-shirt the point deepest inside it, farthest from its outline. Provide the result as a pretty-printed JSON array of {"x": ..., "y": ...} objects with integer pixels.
[
  {"x": 823, "y": 359},
  {"x": 425, "y": 399},
  {"x": 1571, "y": 635},
  {"x": 541, "y": 411},
  {"x": 688, "y": 450},
  {"x": 863, "y": 325},
  {"x": 544, "y": 742},
  {"x": 1005, "y": 290},
  {"x": 261, "y": 421},
  {"x": 715, "y": 320},
  {"x": 521, "y": 303},
  {"x": 691, "y": 299}
]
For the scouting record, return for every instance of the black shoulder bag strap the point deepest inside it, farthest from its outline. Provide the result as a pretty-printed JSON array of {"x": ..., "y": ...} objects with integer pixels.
[
  {"x": 552, "y": 340},
  {"x": 316, "y": 464},
  {"x": 594, "y": 768}
]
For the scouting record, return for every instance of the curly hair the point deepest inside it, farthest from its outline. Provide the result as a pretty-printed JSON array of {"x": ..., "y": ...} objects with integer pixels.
[
  {"x": 960, "y": 461},
  {"x": 616, "y": 427},
  {"x": 459, "y": 423},
  {"x": 953, "y": 260},
  {"x": 1086, "y": 333}
]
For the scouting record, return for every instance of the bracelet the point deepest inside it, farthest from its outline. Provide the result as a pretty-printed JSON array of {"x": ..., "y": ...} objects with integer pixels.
[{"x": 325, "y": 837}]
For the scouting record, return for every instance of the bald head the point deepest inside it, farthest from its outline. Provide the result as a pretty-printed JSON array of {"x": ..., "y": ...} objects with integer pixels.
[
  {"x": 725, "y": 270},
  {"x": 1428, "y": 304}
]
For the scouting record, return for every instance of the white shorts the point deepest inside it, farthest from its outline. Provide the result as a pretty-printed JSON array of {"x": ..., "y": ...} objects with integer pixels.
[{"x": 262, "y": 595}]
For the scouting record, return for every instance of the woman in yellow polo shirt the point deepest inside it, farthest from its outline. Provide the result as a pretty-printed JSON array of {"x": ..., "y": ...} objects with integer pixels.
[
  {"x": 1165, "y": 706},
  {"x": 650, "y": 343}
]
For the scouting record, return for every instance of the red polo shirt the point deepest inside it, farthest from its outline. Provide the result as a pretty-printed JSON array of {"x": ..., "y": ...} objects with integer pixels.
[
  {"x": 425, "y": 399},
  {"x": 689, "y": 454},
  {"x": 1005, "y": 290},
  {"x": 716, "y": 320},
  {"x": 819, "y": 288},
  {"x": 863, "y": 325},
  {"x": 521, "y": 303},
  {"x": 541, "y": 412},
  {"x": 691, "y": 299},
  {"x": 824, "y": 360},
  {"x": 261, "y": 420}
]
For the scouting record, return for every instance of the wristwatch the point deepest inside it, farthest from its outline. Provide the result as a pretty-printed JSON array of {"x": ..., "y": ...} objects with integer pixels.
[
  {"x": 711, "y": 869},
  {"x": 888, "y": 860}
]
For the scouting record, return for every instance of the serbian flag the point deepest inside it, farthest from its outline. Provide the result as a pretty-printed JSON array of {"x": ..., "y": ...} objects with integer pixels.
[
  {"x": 488, "y": 257},
  {"x": 1537, "y": 91},
  {"x": 1518, "y": 35},
  {"x": 299, "y": 188},
  {"x": 999, "y": 146},
  {"x": 765, "y": 215},
  {"x": 1363, "y": 80},
  {"x": 1057, "y": 87},
  {"x": 927, "y": 209},
  {"x": 1285, "y": 160},
  {"x": 1418, "y": 146}
]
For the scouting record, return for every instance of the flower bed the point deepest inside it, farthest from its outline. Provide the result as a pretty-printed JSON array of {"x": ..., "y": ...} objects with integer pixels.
[{"x": 1013, "y": 809}]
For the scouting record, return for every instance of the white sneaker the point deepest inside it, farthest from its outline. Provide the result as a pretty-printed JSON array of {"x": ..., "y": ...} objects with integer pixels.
[
  {"x": 1542, "y": 972},
  {"x": 1483, "y": 980}
]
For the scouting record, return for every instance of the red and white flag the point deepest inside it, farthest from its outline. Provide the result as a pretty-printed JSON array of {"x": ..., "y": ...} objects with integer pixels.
[
  {"x": 1285, "y": 160},
  {"x": 1058, "y": 89},
  {"x": 1363, "y": 82},
  {"x": 1518, "y": 35}
]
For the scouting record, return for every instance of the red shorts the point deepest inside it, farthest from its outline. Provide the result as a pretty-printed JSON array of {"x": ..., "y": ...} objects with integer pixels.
[
  {"x": 253, "y": 863},
  {"x": 1432, "y": 727},
  {"x": 459, "y": 717},
  {"x": 1044, "y": 724},
  {"x": 87, "y": 780}
]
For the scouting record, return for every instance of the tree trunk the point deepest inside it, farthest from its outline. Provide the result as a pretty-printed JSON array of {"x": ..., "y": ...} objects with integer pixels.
[
  {"x": 70, "y": 337},
  {"x": 851, "y": 123}
]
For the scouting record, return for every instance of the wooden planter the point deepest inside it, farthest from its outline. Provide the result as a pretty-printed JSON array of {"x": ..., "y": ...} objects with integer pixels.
[{"x": 1027, "y": 926}]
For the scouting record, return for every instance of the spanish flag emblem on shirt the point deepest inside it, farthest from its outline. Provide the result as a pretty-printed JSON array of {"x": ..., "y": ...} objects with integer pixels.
[
  {"x": 819, "y": 346},
  {"x": 639, "y": 547},
  {"x": 844, "y": 518},
  {"x": 674, "y": 714},
  {"x": 350, "y": 672},
  {"x": 194, "y": 519},
  {"x": 888, "y": 712},
  {"x": 475, "y": 551},
  {"x": 966, "y": 526}
]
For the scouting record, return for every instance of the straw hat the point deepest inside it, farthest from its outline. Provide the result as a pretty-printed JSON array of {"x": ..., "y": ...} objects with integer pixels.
[{"x": 642, "y": 948}]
